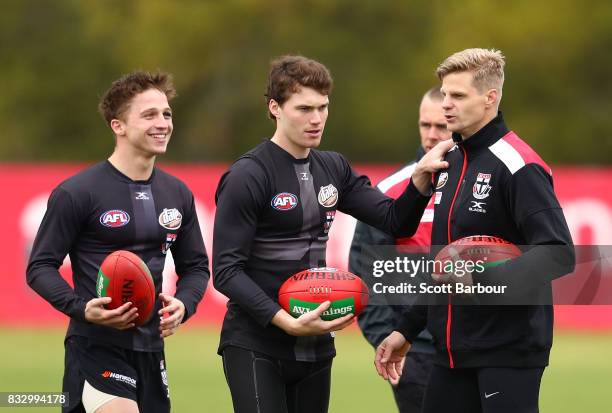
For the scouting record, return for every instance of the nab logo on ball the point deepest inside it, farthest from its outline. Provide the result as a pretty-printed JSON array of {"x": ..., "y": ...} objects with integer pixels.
[
  {"x": 114, "y": 218},
  {"x": 284, "y": 201}
]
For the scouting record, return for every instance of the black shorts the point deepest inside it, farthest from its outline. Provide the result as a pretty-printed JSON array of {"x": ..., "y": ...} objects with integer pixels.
[
  {"x": 483, "y": 390},
  {"x": 137, "y": 375},
  {"x": 263, "y": 384},
  {"x": 410, "y": 391}
]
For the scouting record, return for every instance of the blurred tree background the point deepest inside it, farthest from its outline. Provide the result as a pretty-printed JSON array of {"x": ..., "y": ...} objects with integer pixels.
[{"x": 58, "y": 57}]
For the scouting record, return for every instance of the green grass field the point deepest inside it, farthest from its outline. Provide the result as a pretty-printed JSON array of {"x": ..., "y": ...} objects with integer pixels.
[{"x": 578, "y": 379}]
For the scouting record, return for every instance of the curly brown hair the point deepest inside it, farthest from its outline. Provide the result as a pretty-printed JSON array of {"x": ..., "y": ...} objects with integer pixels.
[{"x": 116, "y": 100}]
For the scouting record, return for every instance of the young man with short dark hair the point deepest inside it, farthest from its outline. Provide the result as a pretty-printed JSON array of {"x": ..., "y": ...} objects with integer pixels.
[{"x": 272, "y": 361}]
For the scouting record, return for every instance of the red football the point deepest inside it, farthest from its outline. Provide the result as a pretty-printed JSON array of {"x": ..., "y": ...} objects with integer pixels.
[
  {"x": 305, "y": 290},
  {"x": 124, "y": 277},
  {"x": 491, "y": 251}
]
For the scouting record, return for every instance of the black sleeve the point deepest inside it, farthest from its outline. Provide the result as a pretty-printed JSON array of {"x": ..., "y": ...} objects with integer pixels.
[
  {"x": 191, "y": 261},
  {"x": 414, "y": 319},
  {"x": 58, "y": 231},
  {"x": 539, "y": 217},
  {"x": 240, "y": 197},
  {"x": 400, "y": 217},
  {"x": 377, "y": 320}
]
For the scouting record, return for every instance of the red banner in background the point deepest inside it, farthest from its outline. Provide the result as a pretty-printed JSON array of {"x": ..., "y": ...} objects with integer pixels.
[{"x": 583, "y": 193}]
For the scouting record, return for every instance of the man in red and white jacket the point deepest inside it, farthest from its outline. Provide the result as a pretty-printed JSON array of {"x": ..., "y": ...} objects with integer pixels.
[
  {"x": 379, "y": 318},
  {"x": 489, "y": 358}
]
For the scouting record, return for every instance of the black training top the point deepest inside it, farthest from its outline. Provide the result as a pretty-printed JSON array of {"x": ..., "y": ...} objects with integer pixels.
[
  {"x": 273, "y": 216},
  {"x": 497, "y": 185},
  {"x": 99, "y": 211}
]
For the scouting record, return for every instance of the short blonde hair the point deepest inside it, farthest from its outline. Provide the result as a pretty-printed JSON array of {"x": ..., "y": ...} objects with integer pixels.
[{"x": 487, "y": 65}]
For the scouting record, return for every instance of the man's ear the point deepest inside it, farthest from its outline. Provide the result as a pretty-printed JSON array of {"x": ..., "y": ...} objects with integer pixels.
[
  {"x": 491, "y": 97},
  {"x": 274, "y": 108},
  {"x": 118, "y": 127}
]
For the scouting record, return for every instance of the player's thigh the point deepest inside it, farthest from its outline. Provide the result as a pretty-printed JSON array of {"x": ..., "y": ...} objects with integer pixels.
[
  {"x": 96, "y": 401},
  {"x": 118, "y": 405},
  {"x": 153, "y": 391},
  {"x": 417, "y": 368},
  {"x": 255, "y": 382},
  {"x": 310, "y": 386},
  {"x": 452, "y": 390},
  {"x": 409, "y": 393},
  {"x": 510, "y": 390}
]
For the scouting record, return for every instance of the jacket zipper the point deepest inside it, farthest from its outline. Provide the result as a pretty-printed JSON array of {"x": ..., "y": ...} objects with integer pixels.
[{"x": 449, "y": 317}]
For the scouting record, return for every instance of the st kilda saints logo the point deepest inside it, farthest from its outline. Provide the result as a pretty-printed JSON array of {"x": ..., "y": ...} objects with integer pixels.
[
  {"x": 170, "y": 239},
  {"x": 481, "y": 188},
  {"x": 329, "y": 220},
  {"x": 284, "y": 201},
  {"x": 328, "y": 196}
]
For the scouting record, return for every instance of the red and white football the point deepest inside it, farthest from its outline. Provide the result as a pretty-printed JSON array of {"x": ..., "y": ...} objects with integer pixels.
[
  {"x": 124, "y": 277},
  {"x": 304, "y": 291},
  {"x": 491, "y": 250}
]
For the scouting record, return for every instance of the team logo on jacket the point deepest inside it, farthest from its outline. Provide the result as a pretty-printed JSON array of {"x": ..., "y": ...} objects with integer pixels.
[
  {"x": 170, "y": 239},
  {"x": 328, "y": 196},
  {"x": 170, "y": 218},
  {"x": 481, "y": 188},
  {"x": 114, "y": 218},
  {"x": 284, "y": 201},
  {"x": 164, "y": 376},
  {"x": 329, "y": 220},
  {"x": 442, "y": 180}
]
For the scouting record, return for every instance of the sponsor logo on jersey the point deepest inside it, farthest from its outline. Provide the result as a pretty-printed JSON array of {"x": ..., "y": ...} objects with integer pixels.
[
  {"x": 119, "y": 377},
  {"x": 442, "y": 180},
  {"x": 170, "y": 218},
  {"x": 304, "y": 176},
  {"x": 481, "y": 187},
  {"x": 284, "y": 201},
  {"x": 114, "y": 218},
  {"x": 170, "y": 239},
  {"x": 478, "y": 206},
  {"x": 328, "y": 196},
  {"x": 142, "y": 195}
]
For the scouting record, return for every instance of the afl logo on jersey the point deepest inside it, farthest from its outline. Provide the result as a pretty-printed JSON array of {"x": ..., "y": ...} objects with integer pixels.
[
  {"x": 170, "y": 218},
  {"x": 284, "y": 201},
  {"x": 328, "y": 196},
  {"x": 114, "y": 218}
]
